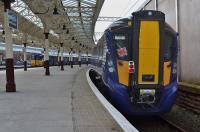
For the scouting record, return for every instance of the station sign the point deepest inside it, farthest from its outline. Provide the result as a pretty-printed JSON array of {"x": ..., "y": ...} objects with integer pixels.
[{"x": 12, "y": 19}]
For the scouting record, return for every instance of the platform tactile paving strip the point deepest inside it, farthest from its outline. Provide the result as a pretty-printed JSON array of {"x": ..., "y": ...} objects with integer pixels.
[{"x": 89, "y": 115}]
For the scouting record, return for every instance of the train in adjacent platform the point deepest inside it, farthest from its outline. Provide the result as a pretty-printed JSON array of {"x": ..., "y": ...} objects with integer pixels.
[
  {"x": 136, "y": 59},
  {"x": 35, "y": 56}
]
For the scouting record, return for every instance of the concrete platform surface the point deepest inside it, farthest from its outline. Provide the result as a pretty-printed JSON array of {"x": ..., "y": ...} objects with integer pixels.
[{"x": 62, "y": 102}]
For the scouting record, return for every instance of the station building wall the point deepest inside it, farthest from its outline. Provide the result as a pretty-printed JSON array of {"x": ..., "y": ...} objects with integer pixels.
[
  {"x": 190, "y": 39},
  {"x": 189, "y": 34}
]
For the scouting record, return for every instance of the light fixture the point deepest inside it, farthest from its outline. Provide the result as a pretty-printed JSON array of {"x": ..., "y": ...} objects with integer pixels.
[
  {"x": 55, "y": 11},
  {"x": 150, "y": 13},
  {"x": 67, "y": 32},
  {"x": 64, "y": 27},
  {"x": 32, "y": 43},
  {"x": 3, "y": 34}
]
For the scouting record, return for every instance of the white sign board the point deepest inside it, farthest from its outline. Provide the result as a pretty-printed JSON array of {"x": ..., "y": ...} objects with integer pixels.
[{"x": 12, "y": 19}]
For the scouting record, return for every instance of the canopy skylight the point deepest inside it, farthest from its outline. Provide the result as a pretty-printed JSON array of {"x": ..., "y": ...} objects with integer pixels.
[{"x": 20, "y": 7}]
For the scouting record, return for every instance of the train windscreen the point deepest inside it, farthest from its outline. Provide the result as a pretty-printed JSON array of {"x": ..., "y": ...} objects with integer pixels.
[{"x": 169, "y": 51}]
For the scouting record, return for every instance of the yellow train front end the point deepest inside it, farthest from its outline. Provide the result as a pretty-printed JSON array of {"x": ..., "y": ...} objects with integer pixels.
[{"x": 36, "y": 60}]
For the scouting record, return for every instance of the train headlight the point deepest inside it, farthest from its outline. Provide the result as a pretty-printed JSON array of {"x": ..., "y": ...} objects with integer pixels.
[
  {"x": 110, "y": 66},
  {"x": 150, "y": 13},
  {"x": 111, "y": 69},
  {"x": 129, "y": 23},
  {"x": 174, "y": 70}
]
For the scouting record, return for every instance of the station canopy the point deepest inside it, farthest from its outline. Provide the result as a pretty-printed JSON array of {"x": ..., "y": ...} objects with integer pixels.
[{"x": 70, "y": 22}]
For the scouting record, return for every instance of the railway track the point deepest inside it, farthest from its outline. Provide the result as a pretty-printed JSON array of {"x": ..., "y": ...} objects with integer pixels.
[
  {"x": 172, "y": 125},
  {"x": 154, "y": 124},
  {"x": 189, "y": 98}
]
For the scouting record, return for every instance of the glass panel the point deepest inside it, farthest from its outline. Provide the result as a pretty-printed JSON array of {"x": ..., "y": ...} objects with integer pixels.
[{"x": 168, "y": 47}]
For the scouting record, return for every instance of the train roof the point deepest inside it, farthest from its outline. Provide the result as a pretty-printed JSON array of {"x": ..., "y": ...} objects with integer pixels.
[
  {"x": 124, "y": 23},
  {"x": 119, "y": 23}
]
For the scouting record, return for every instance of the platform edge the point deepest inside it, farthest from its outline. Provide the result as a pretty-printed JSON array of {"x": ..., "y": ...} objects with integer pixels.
[{"x": 118, "y": 117}]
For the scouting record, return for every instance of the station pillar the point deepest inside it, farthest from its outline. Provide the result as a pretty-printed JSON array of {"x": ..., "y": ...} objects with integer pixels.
[
  {"x": 25, "y": 57},
  {"x": 44, "y": 57},
  {"x": 61, "y": 58},
  {"x": 58, "y": 59},
  {"x": 1, "y": 58},
  {"x": 87, "y": 58},
  {"x": 10, "y": 79},
  {"x": 71, "y": 57},
  {"x": 79, "y": 58},
  {"x": 46, "y": 54}
]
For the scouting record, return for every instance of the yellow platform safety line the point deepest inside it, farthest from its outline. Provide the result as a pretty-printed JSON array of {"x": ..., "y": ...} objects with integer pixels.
[
  {"x": 167, "y": 73},
  {"x": 123, "y": 74},
  {"x": 149, "y": 45}
]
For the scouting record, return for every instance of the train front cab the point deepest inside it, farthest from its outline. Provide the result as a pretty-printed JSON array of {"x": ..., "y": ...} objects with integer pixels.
[
  {"x": 36, "y": 60},
  {"x": 146, "y": 65}
]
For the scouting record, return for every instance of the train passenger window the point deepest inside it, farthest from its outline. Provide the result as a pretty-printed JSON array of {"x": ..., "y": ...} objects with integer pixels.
[{"x": 121, "y": 43}]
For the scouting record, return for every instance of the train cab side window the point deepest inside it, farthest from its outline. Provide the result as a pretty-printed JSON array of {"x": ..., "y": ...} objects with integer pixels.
[{"x": 168, "y": 47}]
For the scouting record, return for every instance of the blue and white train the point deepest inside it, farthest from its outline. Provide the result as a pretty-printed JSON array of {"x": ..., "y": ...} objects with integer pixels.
[{"x": 137, "y": 59}]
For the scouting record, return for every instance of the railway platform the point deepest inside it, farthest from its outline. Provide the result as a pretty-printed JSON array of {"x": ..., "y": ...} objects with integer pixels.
[
  {"x": 3, "y": 67},
  {"x": 61, "y": 102}
]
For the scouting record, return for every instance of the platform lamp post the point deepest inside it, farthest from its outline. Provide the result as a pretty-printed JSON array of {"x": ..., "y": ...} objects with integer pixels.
[
  {"x": 79, "y": 55},
  {"x": 79, "y": 58},
  {"x": 87, "y": 57},
  {"x": 61, "y": 58},
  {"x": 44, "y": 56},
  {"x": 58, "y": 56},
  {"x": 24, "y": 41},
  {"x": 10, "y": 84},
  {"x": 46, "y": 59}
]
